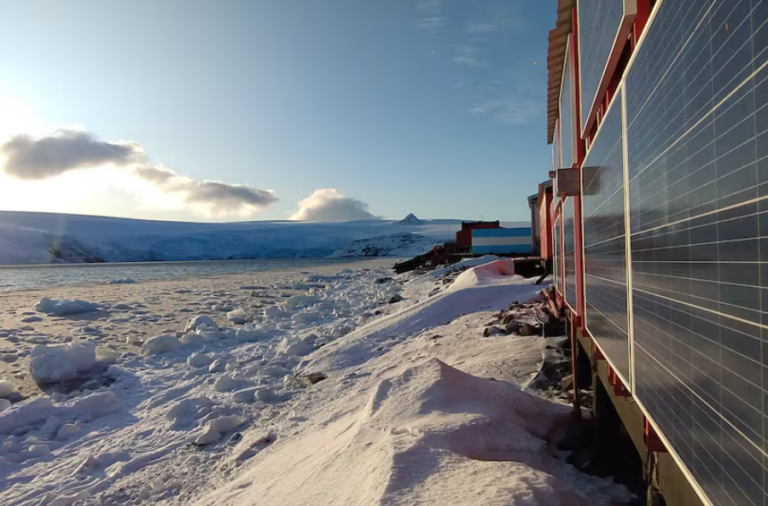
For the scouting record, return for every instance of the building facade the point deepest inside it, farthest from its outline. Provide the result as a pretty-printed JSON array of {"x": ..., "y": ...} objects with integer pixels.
[{"x": 657, "y": 108}]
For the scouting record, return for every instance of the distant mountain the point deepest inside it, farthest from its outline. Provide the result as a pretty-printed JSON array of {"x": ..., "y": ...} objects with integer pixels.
[
  {"x": 39, "y": 238},
  {"x": 411, "y": 220}
]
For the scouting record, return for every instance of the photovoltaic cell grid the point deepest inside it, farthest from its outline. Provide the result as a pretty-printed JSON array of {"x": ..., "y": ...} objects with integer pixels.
[
  {"x": 599, "y": 22},
  {"x": 697, "y": 143},
  {"x": 569, "y": 254},
  {"x": 605, "y": 258},
  {"x": 566, "y": 117}
]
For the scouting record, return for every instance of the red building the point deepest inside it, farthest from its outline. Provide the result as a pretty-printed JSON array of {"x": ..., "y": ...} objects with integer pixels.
[{"x": 464, "y": 236}]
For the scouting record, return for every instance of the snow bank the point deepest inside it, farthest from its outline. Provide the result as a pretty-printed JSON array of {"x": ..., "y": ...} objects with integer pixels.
[
  {"x": 64, "y": 307},
  {"x": 462, "y": 264},
  {"x": 429, "y": 435},
  {"x": 61, "y": 362}
]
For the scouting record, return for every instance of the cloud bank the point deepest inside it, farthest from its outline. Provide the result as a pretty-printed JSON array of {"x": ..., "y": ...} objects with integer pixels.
[
  {"x": 69, "y": 150},
  {"x": 65, "y": 150},
  {"x": 327, "y": 204}
]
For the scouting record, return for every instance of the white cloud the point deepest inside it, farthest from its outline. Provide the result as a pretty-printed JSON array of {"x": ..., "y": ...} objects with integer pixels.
[
  {"x": 513, "y": 110},
  {"x": 327, "y": 204},
  {"x": 70, "y": 150}
]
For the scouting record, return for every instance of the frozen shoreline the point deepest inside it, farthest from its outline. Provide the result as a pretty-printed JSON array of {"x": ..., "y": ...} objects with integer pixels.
[{"x": 219, "y": 412}]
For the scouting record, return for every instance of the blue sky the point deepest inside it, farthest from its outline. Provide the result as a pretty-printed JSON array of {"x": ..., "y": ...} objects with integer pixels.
[{"x": 430, "y": 106}]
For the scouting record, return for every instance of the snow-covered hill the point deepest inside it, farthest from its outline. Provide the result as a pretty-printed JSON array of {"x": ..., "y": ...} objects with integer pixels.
[
  {"x": 396, "y": 245},
  {"x": 27, "y": 238}
]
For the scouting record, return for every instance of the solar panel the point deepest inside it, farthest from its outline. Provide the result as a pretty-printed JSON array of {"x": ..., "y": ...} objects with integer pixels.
[
  {"x": 566, "y": 116},
  {"x": 697, "y": 142},
  {"x": 569, "y": 253},
  {"x": 599, "y": 24},
  {"x": 605, "y": 264}
]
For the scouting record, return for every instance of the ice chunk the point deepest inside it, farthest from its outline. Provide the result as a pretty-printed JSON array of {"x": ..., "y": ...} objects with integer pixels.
[
  {"x": 298, "y": 301},
  {"x": 193, "y": 339},
  {"x": 273, "y": 371},
  {"x": 276, "y": 312},
  {"x": 7, "y": 388},
  {"x": 237, "y": 316},
  {"x": 188, "y": 409},
  {"x": 216, "y": 427},
  {"x": 121, "y": 281},
  {"x": 134, "y": 339},
  {"x": 294, "y": 346},
  {"x": 229, "y": 382},
  {"x": 264, "y": 395},
  {"x": 68, "y": 430},
  {"x": 201, "y": 320},
  {"x": 245, "y": 395},
  {"x": 308, "y": 317},
  {"x": 97, "y": 404},
  {"x": 218, "y": 365},
  {"x": 64, "y": 307},
  {"x": 250, "y": 335},
  {"x": 61, "y": 362},
  {"x": 160, "y": 344},
  {"x": 199, "y": 360},
  {"x": 26, "y": 413}
]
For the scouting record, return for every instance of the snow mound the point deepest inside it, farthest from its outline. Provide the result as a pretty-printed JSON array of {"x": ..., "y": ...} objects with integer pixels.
[
  {"x": 64, "y": 307},
  {"x": 485, "y": 287},
  {"x": 429, "y": 435},
  {"x": 32, "y": 411},
  {"x": 61, "y": 362}
]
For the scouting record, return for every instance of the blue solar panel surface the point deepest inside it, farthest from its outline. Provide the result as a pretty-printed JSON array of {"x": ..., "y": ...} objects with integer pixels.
[
  {"x": 697, "y": 142},
  {"x": 569, "y": 253},
  {"x": 599, "y": 22},
  {"x": 566, "y": 117},
  {"x": 605, "y": 265}
]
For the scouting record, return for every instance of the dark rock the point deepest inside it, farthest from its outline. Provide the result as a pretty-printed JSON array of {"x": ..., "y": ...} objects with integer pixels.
[
  {"x": 236, "y": 437},
  {"x": 512, "y": 328},
  {"x": 307, "y": 380},
  {"x": 529, "y": 330},
  {"x": 381, "y": 281},
  {"x": 396, "y": 298},
  {"x": 508, "y": 318},
  {"x": 493, "y": 330}
]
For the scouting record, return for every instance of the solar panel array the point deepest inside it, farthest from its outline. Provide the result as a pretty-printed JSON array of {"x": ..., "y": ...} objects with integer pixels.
[
  {"x": 569, "y": 253},
  {"x": 605, "y": 266},
  {"x": 599, "y": 22},
  {"x": 697, "y": 145},
  {"x": 566, "y": 118}
]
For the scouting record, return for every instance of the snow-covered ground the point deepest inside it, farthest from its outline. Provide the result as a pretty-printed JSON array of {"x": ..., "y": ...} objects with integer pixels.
[{"x": 323, "y": 387}]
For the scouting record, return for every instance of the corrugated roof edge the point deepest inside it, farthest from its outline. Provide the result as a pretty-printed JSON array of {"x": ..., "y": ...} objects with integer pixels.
[{"x": 558, "y": 39}]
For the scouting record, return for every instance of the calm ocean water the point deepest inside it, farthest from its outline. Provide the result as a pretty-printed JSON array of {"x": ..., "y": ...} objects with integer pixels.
[{"x": 40, "y": 276}]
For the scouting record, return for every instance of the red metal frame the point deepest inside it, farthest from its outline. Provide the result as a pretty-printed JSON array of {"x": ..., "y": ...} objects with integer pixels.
[{"x": 653, "y": 442}]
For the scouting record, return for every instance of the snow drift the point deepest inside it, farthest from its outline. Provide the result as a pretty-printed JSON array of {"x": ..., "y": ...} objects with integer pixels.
[{"x": 429, "y": 435}]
